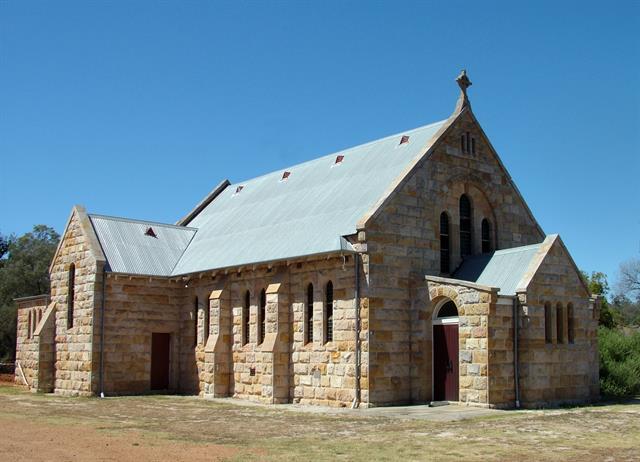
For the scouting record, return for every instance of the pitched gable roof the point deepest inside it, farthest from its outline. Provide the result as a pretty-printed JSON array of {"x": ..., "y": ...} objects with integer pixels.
[
  {"x": 140, "y": 247},
  {"x": 267, "y": 218}
]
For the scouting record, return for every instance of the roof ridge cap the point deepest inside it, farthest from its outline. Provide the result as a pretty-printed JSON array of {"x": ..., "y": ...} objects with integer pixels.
[
  {"x": 136, "y": 220},
  {"x": 340, "y": 151}
]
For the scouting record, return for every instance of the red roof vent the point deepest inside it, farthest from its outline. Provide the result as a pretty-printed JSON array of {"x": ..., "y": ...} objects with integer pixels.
[
  {"x": 239, "y": 188},
  {"x": 339, "y": 159},
  {"x": 404, "y": 139},
  {"x": 150, "y": 232},
  {"x": 285, "y": 175}
]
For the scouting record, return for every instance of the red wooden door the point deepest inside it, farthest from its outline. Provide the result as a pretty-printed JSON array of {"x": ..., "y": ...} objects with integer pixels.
[
  {"x": 160, "y": 347},
  {"x": 445, "y": 362}
]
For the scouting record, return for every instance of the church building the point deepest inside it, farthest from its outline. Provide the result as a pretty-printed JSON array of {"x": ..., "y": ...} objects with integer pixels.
[{"x": 405, "y": 270}]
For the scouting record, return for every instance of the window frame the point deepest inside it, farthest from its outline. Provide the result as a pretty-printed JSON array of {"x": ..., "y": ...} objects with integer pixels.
[
  {"x": 559, "y": 323},
  {"x": 571, "y": 326},
  {"x": 485, "y": 236},
  {"x": 262, "y": 317},
  {"x": 466, "y": 225},
  {"x": 308, "y": 315},
  {"x": 548, "y": 321},
  {"x": 246, "y": 318},
  {"x": 71, "y": 295},
  {"x": 328, "y": 312},
  {"x": 445, "y": 237},
  {"x": 207, "y": 324},
  {"x": 195, "y": 320}
]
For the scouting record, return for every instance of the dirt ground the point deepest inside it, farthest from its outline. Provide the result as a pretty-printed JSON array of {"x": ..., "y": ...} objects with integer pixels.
[{"x": 156, "y": 428}]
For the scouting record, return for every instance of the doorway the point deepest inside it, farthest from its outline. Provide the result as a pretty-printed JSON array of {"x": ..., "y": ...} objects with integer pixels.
[
  {"x": 160, "y": 354},
  {"x": 445, "y": 353}
]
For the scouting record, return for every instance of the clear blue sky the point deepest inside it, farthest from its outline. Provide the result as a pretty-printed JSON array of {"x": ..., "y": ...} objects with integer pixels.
[{"x": 138, "y": 109}]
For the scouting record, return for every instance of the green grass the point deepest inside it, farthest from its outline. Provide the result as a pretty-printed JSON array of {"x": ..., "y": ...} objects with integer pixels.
[{"x": 272, "y": 433}]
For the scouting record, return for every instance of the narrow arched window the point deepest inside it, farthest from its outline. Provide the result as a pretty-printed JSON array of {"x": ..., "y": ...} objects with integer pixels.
[
  {"x": 29, "y": 324},
  {"x": 195, "y": 321},
  {"x": 263, "y": 315},
  {"x": 309, "y": 315},
  {"x": 71, "y": 291},
  {"x": 560, "y": 323},
  {"x": 465, "y": 226},
  {"x": 444, "y": 243},
  {"x": 207, "y": 323},
  {"x": 486, "y": 236},
  {"x": 571, "y": 323},
  {"x": 246, "y": 320},
  {"x": 328, "y": 325},
  {"x": 548, "y": 338}
]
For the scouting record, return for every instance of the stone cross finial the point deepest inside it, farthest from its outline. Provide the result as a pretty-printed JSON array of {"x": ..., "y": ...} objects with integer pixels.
[{"x": 464, "y": 83}]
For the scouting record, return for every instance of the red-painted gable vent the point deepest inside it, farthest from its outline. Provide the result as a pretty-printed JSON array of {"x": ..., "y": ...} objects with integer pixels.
[
  {"x": 285, "y": 175},
  {"x": 150, "y": 232},
  {"x": 404, "y": 139},
  {"x": 339, "y": 159}
]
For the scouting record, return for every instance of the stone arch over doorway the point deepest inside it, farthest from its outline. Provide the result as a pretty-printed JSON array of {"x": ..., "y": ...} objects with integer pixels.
[{"x": 446, "y": 350}]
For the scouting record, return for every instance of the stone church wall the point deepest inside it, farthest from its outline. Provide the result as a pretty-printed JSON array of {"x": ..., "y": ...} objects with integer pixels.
[
  {"x": 29, "y": 345},
  {"x": 284, "y": 368},
  {"x": 560, "y": 371},
  {"x": 403, "y": 245},
  {"x": 73, "y": 365},
  {"x": 136, "y": 307}
]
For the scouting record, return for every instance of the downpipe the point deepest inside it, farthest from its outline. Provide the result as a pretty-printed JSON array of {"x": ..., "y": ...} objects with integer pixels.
[
  {"x": 104, "y": 285},
  {"x": 516, "y": 361},
  {"x": 356, "y": 399}
]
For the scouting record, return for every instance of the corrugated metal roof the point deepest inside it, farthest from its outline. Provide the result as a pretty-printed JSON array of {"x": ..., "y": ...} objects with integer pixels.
[
  {"x": 502, "y": 268},
  {"x": 307, "y": 214},
  {"x": 129, "y": 250}
]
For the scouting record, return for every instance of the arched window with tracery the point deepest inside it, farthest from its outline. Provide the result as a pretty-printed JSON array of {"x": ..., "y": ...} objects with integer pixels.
[
  {"x": 466, "y": 246},
  {"x": 444, "y": 243},
  {"x": 486, "y": 236}
]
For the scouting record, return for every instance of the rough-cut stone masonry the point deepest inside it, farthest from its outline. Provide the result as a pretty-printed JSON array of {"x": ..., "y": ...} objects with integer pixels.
[
  {"x": 398, "y": 245},
  {"x": 403, "y": 245},
  {"x": 561, "y": 371},
  {"x": 283, "y": 368},
  {"x": 134, "y": 309},
  {"x": 74, "y": 345},
  {"x": 34, "y": 346}
]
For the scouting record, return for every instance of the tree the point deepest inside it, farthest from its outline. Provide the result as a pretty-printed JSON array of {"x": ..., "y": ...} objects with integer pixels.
[
  {"x": 599, "y": 285},
  {"x": 24, "y": 271},
  {"x": 630, "y": 277},
  {"x": 4, "y": 245},
  {"x": 627, "y": 300}
]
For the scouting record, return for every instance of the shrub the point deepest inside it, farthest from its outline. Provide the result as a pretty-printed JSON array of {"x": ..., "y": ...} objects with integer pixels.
[{"x": 619, "y": 363}]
